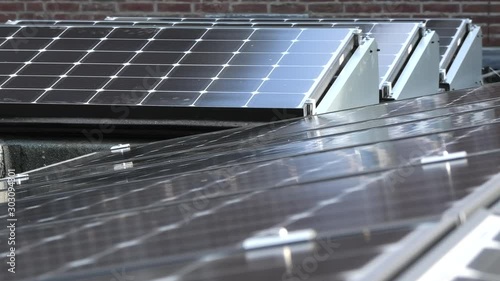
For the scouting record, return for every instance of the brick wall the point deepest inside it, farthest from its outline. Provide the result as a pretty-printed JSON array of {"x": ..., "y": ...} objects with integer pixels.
[{"x": 486, "y": 13}]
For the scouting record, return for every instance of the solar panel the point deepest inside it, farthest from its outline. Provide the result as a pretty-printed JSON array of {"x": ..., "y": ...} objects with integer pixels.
[
  {"x": 173, "y": 67},
  {"x": 364, "y": 180}
]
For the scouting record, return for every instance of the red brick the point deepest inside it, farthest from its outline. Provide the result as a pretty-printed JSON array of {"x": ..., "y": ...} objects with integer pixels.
[
  {"x": 495, "y": 8},
  {"x": 357, "y": 15},
  {"x": 475, "y": 8},
  {"x": 137, "y": 7},
  {"x": 441, "y": 8},
  {"x": 484, "y": 19},
  {"x": 390, "y": 15},
  {"x": 34, "y": 6},
  {"x": 33, "y": 16},
  {"x": 101, "y": 17},
  {"x": 326, "y": 8},
  {"x": 212, "y": 8},
  {"x": 365, "y": 1},
  {"x": 62, "y": 6},
  {"x": 485, "y": 41},
  {"x": 61, "y": 16},
  {"x": 11, "y": 7},
  {"x": 421, "y": 1},
  {"x": 492, "y": 42},
  {"x": 173, "y": 7},
  {"x": 99, "y": 7},
  {"x": 493, "y": 29},
  {"x": 6, "y": 17},
  {"x": 432, "y": 15},
  {"x": 363, "y": 8},
  {"x": 77, "y": 17},
  {"x": 288, "y": 8},
  {"x": 250, "y": 8},
  {"x": 401, "y": 8},
  {"x": 310, "y": 2}
]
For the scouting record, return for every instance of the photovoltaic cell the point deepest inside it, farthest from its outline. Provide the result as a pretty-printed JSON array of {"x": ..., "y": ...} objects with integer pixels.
[
  {"x": 61, "y": 96},
  {"x": 173, "y": 66},
  {"x": 17, "y": 96}
]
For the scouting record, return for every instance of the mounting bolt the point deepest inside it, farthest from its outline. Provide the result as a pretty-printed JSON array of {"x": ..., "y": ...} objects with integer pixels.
[
  {"x": 120, "y": 148},
  {"x": 19, "y": 178},
  {"x": 358, "y": 37},
  {"x": 123, "y": 166},
  {"x": 387, "y": 90},
  {"x": 310, "y": 107},
  {"x": 442, "y": 75},
  {"x": 422, "y": 29},
  {"x": 468, "y": 25}
]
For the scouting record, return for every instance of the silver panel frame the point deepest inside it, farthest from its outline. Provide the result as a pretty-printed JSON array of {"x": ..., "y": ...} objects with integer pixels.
[
  {"x": 496, "y": 208},
  {"x": 424, "y": 265},
  {"x": 454, "y": 45},
  {"x": 465, "y": 71},
  {"x": 386, "y": 266},
  {"x": 425, "y": 237},
  {"x": 420, "y": 76},
  {"x": 357, "y": 83}
]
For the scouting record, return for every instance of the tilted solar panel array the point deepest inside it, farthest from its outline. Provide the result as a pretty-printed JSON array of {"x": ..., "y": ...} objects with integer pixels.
[
  {"x": 394, "y": 41},
  {"x": 364, "y": 181},
  {"x": 452, "y": 32},
  {"x": 182, "y": 66}
]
